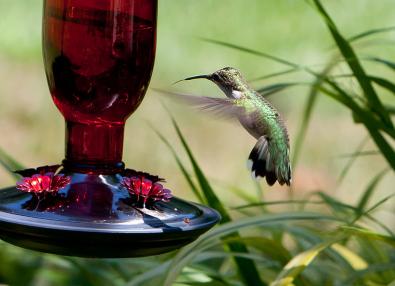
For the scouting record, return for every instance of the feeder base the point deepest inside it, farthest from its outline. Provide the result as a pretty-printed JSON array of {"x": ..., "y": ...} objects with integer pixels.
[{"x": 92, "y": 218}]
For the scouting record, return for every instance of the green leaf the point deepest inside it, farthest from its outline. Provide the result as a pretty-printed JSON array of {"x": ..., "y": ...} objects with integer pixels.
[
  {"x": 387, "y": 63},
  {"x": 201, "y": 276},
  {"x": 379, "y": 203},
  {"x": 375, "y": 252},
  {"x": 297, "y": 264},
  {"x": 352, "y": 60},
  {"x": 370, "y": 32},
  {"x": 96, "y": 272},
  {"x": 336, "y": 205},
  {"x": 368, "y": 234},
  {"x": 150, "y": 276},
  {"x": 384, "y": 83},
  {"x": 368, "y": 120},
  {"x": 287, "y": 71},
  {"x": 360, "y": 277},
  {"x": 379, "y": 223},
  {"x": 207, "y": 240},
  {"x": 356, "y": 261},
  {"x": 208, "y": 255},
  {"x": 274, "y": 88},
  {"x": 386, "y": 149},
  {"x": 271, "y": 248}
]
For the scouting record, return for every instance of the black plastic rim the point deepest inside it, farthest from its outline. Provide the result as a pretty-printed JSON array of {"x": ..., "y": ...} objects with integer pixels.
[{"x": 151, "y": 233}]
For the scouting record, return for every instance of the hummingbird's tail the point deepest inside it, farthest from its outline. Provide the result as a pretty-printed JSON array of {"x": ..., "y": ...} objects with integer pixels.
[{"x": 268, "y": 160}]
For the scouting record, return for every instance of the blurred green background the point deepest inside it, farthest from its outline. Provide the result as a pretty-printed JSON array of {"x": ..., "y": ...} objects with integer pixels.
[{"x": 32, "y": 130}]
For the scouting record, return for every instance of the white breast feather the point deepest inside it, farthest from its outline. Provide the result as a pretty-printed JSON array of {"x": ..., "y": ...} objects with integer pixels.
[{"x": 236, "y": 94}]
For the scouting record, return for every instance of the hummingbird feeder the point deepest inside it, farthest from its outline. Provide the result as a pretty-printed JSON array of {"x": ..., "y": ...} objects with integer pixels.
[{"x": 98, "y": 57}]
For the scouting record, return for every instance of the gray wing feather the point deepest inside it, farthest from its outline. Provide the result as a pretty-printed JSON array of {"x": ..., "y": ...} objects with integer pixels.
[{"x": 221, "y": 107}]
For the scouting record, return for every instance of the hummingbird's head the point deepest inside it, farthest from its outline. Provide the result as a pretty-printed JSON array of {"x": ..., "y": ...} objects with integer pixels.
[{"x": 228, "y": 79}]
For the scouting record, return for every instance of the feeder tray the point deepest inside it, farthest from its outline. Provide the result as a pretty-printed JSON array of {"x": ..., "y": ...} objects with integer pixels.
[{"x": 93, "y": 217}]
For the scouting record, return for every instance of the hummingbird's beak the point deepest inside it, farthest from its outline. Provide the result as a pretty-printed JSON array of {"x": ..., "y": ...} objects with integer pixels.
[
  {"x": 199, "y": 76},
  {"x": 195, "y": 77}
]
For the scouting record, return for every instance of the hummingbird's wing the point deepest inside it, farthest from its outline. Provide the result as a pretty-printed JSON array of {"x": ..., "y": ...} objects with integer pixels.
[{"x": 221, "y": 107}]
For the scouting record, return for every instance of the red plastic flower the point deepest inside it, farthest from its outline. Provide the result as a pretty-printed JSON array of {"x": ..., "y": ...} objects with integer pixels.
[
  {"x": 43, "y": 183},
  {"x": 145, "y": 191},
  {"x": 133, "y": 173}
]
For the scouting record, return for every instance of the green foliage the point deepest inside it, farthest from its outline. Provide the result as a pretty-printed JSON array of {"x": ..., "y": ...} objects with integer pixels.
[{"x": 341, "y": 243}]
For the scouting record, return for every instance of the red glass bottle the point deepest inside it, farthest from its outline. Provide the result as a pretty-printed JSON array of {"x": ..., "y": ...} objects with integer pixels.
[{"x": 98, "y": 55}]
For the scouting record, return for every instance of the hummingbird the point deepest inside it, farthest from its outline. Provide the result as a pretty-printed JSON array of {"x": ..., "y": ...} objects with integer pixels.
[{"x": 270, "y": 156}]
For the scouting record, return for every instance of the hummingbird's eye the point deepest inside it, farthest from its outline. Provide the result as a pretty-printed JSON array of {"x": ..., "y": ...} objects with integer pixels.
[{"x": 216, "y": 77}]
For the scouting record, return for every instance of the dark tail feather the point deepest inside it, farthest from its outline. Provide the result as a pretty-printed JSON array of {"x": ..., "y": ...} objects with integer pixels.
[
  {"x": 271, "y": 178},
  {"x": 260, "y": 167}
]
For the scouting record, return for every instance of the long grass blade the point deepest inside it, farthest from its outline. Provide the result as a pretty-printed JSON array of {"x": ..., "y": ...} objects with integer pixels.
[
  {"x": 275, "y": 88},
  {"x": 379, "y": 222},
  {"x": 379, "y": 203},
  {"x": 184, "y": 171},
  {"x": 205, "y": 186},
  {"x": 368, "y": 234},
  {"x": 370, "y": 32},
  {"x": 149, "y": 276},
  {"x": 360, "y": 114},
  {"x": 10, "y": 164},
  {"x": 307, "y": 113},
  {"x": 386, "y": 149},
  {"x": 251, "y": 51},
  {"x": 351, "y": 161},
  {"x": 370, "y": 123},
  {"x": 271, "y": 75},
  {"x": 353, "y": 62},
  {"x": 390, "y": 109},
  {"x": 304, "y": 124},
  {"x": 384, "y": 83},
  {"x": 282, "y": 202},
  {"x": 360, "y": 154},
  {"x": 387, "y": 63},
  {"x": 356, "y": 261},
  {"x": 337, "y": 206},
  {"x": 270, "y": 248}
]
